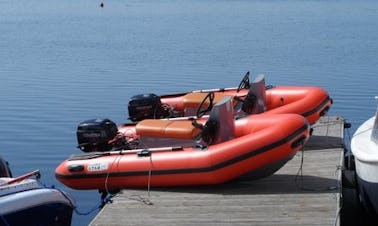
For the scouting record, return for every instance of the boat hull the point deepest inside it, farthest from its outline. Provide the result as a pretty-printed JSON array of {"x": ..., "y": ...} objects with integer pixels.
[
  {"x": 30, "y": 204},
  {"x": 365, "y": 151},
  {"x": 368, "y": 195}
]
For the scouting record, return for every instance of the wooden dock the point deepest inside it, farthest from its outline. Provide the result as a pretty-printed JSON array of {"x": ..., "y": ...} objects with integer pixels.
[{"x": 304, "y": 192}]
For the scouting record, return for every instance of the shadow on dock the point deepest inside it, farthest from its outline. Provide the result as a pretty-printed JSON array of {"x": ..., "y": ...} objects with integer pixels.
[
  {"x": 272, "y": 185},
  {"x": 323, "y": 142}
]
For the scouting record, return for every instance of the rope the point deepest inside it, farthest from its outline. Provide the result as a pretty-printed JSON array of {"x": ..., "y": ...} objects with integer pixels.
[
  {"x": 102, "y": 202},
  {"x": 300, "y": 171},
  {"x": 139, "y": 198},
  {"x": 338, "y": 214},
  {"x": 327, "y": 128},
  {"x": 149, "y": 179},
  {"x": 300, "y": 176},
  {"x": 147, "y": 200},
  {"x": 338, "y": 186},
  {"x": 119, "y": 156}
]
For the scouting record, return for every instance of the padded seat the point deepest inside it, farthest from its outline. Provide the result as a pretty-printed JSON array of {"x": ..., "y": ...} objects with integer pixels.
[
  {"x": 220, "y": 126},
  {"x": 167, "y": 128},
  {"x": 193, "y": 100}
]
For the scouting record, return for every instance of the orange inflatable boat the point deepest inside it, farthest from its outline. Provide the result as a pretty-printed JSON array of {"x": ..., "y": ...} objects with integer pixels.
[
  {"x": 309, "y": 101},
  {"x": 204, "y": 151}
]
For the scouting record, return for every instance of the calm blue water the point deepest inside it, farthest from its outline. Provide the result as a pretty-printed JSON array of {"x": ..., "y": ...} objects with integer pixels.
[{"x": 62, "y": 62}]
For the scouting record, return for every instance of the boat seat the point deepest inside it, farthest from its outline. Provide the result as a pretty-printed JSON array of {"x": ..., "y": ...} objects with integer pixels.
[
  {"x": 193, "y": 100},
  {"x": 255, "y": 101},
  {"x": 167, "y": 128},
  {"x": 220, "y": 126}
]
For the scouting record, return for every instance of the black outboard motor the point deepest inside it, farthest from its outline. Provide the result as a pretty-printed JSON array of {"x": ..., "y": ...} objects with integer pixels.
[
  {"x": 146, "y": 106},
  {"x": 95, "y": 134}
]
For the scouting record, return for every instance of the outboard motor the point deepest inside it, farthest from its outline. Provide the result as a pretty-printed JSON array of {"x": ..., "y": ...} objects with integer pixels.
[
  {"x": 146, "y": 106},
  {"x": 95, "y": 134}
]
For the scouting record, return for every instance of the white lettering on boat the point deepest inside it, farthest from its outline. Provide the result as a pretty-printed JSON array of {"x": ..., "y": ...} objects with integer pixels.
[{"x": 97, "y": 166}]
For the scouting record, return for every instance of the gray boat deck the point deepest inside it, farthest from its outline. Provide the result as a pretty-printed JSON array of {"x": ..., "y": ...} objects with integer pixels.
[{"x": 304, "y": 192}]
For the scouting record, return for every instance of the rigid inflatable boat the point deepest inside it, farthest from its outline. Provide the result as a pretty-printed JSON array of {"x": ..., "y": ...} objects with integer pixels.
[
  {"x": 309, "y": 101},
  {"x": 204, "y": 151}
]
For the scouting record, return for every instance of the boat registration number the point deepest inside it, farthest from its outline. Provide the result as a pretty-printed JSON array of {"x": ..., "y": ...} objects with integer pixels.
[{"x": 98, "y": 166}]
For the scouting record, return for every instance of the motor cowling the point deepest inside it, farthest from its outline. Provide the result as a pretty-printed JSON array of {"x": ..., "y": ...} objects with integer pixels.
[
  {"x": 146, "y": 106},
  {"x": 95, "y": 134}
]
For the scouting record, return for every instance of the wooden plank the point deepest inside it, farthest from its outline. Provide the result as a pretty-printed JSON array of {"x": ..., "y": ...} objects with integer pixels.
[{"x": 304, "y": 192}]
